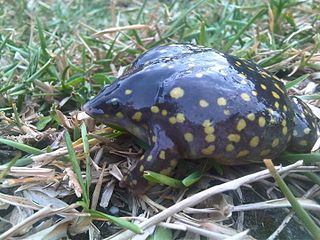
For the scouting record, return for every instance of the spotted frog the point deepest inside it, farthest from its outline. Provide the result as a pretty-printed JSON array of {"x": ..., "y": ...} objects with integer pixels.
[{"x": 190, "y": 102}]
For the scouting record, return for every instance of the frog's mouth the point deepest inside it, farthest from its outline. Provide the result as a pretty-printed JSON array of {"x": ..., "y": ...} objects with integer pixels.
[
  {"x": 99, "y": 115},
  {"x": 92, "y": 111}
]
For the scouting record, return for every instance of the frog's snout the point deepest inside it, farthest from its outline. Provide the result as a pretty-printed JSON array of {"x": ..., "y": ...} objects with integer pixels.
[{"x": 91, "y": 110}]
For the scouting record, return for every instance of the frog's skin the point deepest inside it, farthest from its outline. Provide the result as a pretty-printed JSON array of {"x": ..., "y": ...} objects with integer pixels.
[{"x": 192, "y": 102}]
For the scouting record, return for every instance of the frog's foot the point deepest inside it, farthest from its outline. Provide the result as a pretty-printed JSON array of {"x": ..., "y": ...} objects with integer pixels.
[
  {"x": 162, "y": 158},
  {"x": 305, "y": 130}
]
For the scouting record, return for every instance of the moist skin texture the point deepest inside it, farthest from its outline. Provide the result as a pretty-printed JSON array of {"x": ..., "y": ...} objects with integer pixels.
[{"x": 192, "y": 102}]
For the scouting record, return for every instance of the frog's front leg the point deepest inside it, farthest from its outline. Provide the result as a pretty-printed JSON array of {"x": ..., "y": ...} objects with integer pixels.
[{"x": 161, "y": 157}]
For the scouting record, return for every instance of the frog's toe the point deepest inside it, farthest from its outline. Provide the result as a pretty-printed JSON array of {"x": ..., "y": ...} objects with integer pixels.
[{"x": 136, "y": 183}]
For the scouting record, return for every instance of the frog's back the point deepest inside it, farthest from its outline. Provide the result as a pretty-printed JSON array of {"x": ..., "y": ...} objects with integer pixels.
[{"x": 222, "y": 107}]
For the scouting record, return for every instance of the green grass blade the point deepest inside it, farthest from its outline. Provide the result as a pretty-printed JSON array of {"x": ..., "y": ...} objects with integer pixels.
[
  {"x": 310, "y": 97},
  {"x": 86, "y": 151},
  {"x": 37, "y": 73},
  {"x": 202, "y": 37},
  {"x": 230, "y": 43},
  {"x": 178, "y": 22},
  {"x": 162, "y": 179},
  {"x": 76, "y": 168},
  {"x": 43, "y": 43},
  {"x": 192, "y": 178},
  {"x": 3, "y": 44},
  {"x": 117, "y": 221},
  {"x": 10, "y": 164},
  {"x": 21, "y": 146},
  {"x": 297, "y": 81},
  {"x": 307, "y": 158},
  {"x": 301, "y": 213},
  {"x": 140, "y": 11},
  {"x": 23, "y": 162},
  {"x": 161, "y": 233},
  {"x": 313, "y": 177},
  {"x": 16, "y": 116}
]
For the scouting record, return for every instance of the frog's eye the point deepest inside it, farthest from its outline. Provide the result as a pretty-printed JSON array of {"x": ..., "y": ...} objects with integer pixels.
[{"x": 115, "y": 103}]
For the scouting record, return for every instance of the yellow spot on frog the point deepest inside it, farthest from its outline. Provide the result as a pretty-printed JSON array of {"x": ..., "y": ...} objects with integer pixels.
[
  {"x": 284, "y": 130},
  {"x": 164, "y": 112},
  {"x": 207, "y": 123},
  {"x": 270, "y": 110},
  {"x": 127, "y": 91},
  {"x": 229, "y": 148},
  {"x": 119, "y": 115},
  {"x": 276, "y": 104},
  {"x": 188, "y": 137},
  {"x": 221, "y": 101},
  {"x": 262, "y": 121},
  {"x": 180, "y": 117},
  {"x": 141, "y": 169},
  {"x": 254, "y": 141},
  {"x": 155, "y": 109},
  {"x": 209, "y": 150},
  {"x": 245, "y": 97},
  {"x": 209, "y": 129},
  {"x": 275, "y": 142},
  {"x": 285, "y": 108},
  {"x": 307, "y": 130},
  {"x": 284, "y": 123},
  {"x": 135, "y": 131},
  {"x": 199, "y": 75},
  {"x": 303, "y": 143},
  {"x": 265, "y": 152},
  {"x": 210, "y": 138},
  {"x": 254, "y": 93},
  {"x": 234, "y": 137},
  {"x": 137, "y": 116},
  {"x": 264, "y": 74},
  {"x": 177, "y": 92},
  {"x": 238, "y": 63},
  {"x": 241, "y": 125},
  {"x": 251, "y": 116},
  {"x": 295, "y": 133},
  {"x": 203, "y": 103},
  {"x": 162, "y": 154},
  {"x": 242, "y": 75},
  {"x": 243, "y": 81},
  {"x": 242, "y": 153},
  {"x": 275, "y": 95},
  {"x": 154, "y": 139},
  {"x": 173, "y": 163},
  {"x": 226, "y": 112},
  {"x": 166, "y": 171},
  {"x": 279, "y": 88},
  {"x": 149, "y": 158},
  {"x": 172, "y": 120},
  {"x": 264, "y": 87}
]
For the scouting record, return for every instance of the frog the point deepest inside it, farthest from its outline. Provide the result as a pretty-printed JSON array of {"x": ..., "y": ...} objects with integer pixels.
[{"x": 192, "y": 102}]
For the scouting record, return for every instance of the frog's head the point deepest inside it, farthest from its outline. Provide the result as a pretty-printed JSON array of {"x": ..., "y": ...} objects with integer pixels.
[
  {"x": 107, "y": 106},
  {"x": 126, "y": 103}
]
